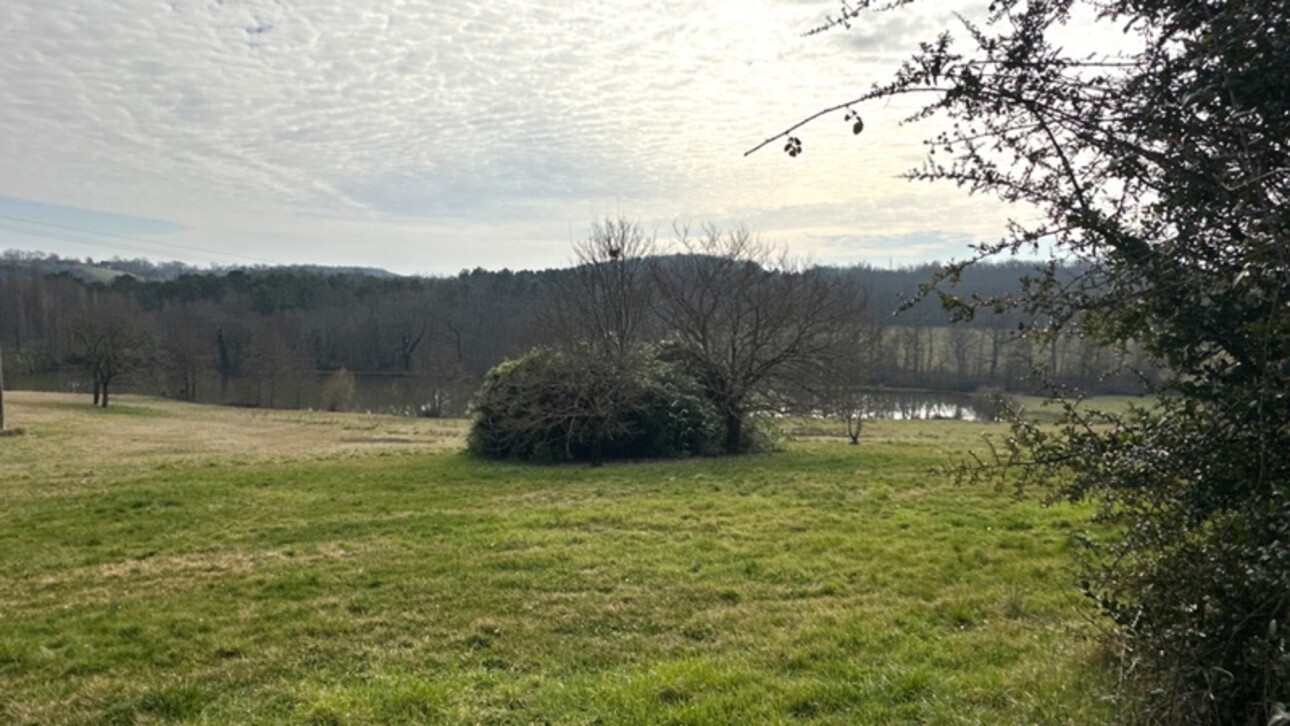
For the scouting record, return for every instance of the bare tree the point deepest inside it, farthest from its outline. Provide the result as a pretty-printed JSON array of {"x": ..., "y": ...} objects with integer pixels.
[
  {"x": 111, "y": 345},
  {"x": 962, "y": 344},
  {"x": 606, "y": 301},
  {"x": 279, "y": 364},
  {"x": 187, "y": 338},
  {"x": 442, "y": 384},
  {"x": 484, "y": 319},
  {"x": 337, "y": 392},
  {"x": 749, "y": 323},
  {"x": 844, "y": 390},
  {"x": 852, "y": 407},
  {"x": 910, "y": 339}
]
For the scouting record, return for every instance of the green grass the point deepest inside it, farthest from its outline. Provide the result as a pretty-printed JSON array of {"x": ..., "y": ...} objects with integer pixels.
[
  {"x": 827, "y": 583},
  {"x": 1045, "y": 411}
]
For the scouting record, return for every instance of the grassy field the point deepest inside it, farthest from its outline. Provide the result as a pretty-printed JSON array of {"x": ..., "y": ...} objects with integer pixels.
[{"x": 169, "y": 563}]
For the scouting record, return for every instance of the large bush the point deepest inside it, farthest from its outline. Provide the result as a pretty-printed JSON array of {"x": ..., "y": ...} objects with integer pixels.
[{"x": 563, "y": 404}]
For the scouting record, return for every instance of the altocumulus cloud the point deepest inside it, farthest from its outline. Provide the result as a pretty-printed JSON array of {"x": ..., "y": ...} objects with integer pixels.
[{"x": 422, "y": 134}]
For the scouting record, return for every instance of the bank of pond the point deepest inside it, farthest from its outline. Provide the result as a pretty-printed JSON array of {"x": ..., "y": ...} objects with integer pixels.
[{"x": 408, "y": 395}]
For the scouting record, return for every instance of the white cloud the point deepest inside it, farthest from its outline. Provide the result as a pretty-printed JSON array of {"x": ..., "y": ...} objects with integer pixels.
[{"x": 431, "y": 135}]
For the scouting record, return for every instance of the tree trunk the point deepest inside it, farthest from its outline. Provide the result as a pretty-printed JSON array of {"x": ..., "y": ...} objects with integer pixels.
[
  {"x": 734, "y": 432},
  {"x": 854, "y": 424},
  {"x": 995, "y": 334},
  {"x": 105, "y": 394},
  {"x": 97, "y": 392}
]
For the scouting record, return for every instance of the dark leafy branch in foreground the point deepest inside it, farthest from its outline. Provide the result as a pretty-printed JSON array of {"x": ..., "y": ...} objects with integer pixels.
[{"x": 1164, "y": 173}]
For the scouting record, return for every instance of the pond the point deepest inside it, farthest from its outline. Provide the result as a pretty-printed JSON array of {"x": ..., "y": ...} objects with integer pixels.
[
  {"x": 911, "y": 405},
  {"x": 373, "y": 393},
  {"x": 412, "y": 395}
]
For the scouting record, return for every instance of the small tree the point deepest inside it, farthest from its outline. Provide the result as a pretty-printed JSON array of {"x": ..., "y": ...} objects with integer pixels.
[
  {"x": 111, "y": 346},
  {"x": 850, "y": 406},
  {"x": 846, "y": 398},
  {"x": 337, "y": 392},
  {"x": 187, "y": 343},
  {"x": 842, "y": 386}
]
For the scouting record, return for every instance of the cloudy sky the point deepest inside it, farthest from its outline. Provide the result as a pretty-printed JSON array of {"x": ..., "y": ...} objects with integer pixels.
[{"x": 434, "y": 135}]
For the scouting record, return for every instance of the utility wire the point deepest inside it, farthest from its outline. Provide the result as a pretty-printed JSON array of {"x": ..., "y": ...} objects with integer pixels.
[
  {"x": 49, "y": 234},
  {"x": 68, "y": 238}
]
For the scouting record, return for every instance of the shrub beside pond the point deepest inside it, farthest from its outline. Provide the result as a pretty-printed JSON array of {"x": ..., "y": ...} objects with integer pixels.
[{"x": 586, "y": 404}]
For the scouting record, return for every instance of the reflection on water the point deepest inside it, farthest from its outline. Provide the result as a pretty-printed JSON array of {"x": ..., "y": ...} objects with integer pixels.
[{"x": 921, "y": 405}]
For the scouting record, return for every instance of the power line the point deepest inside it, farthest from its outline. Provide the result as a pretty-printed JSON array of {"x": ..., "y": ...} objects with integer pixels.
[
  {"x": 47, "y": 234},
  {"x": 68, "y": 238}
]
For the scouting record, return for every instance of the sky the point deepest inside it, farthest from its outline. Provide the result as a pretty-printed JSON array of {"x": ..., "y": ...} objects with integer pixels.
[{"x": 430, "y": 136}]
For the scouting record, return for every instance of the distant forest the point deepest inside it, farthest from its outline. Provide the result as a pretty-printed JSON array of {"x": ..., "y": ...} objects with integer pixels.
[{"x": 277, "y": 336}]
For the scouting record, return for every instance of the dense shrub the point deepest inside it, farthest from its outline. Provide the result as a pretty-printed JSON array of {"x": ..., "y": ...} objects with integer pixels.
[{"x": 557, "y": 404}]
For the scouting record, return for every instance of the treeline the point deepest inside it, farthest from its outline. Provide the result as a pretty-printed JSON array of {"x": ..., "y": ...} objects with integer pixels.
[
  {"x": 105, "y": 270},
  {"x": 270, "y": 337}
]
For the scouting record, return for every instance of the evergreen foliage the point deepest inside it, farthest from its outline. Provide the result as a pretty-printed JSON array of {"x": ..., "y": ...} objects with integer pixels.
[
  {"x": 573, "y": 404},
  {"x": 1163, "y": 173}
]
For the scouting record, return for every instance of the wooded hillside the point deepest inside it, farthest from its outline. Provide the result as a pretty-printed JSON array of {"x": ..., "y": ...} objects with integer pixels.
[{"x": 271, "y": 336}]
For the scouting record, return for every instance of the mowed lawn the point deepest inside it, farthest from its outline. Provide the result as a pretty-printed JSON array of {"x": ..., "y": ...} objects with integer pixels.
[{"x": 162, "y": 562}]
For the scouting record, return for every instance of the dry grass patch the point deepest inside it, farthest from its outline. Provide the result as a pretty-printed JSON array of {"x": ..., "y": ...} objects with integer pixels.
[{"x": 68, "y": 438}]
